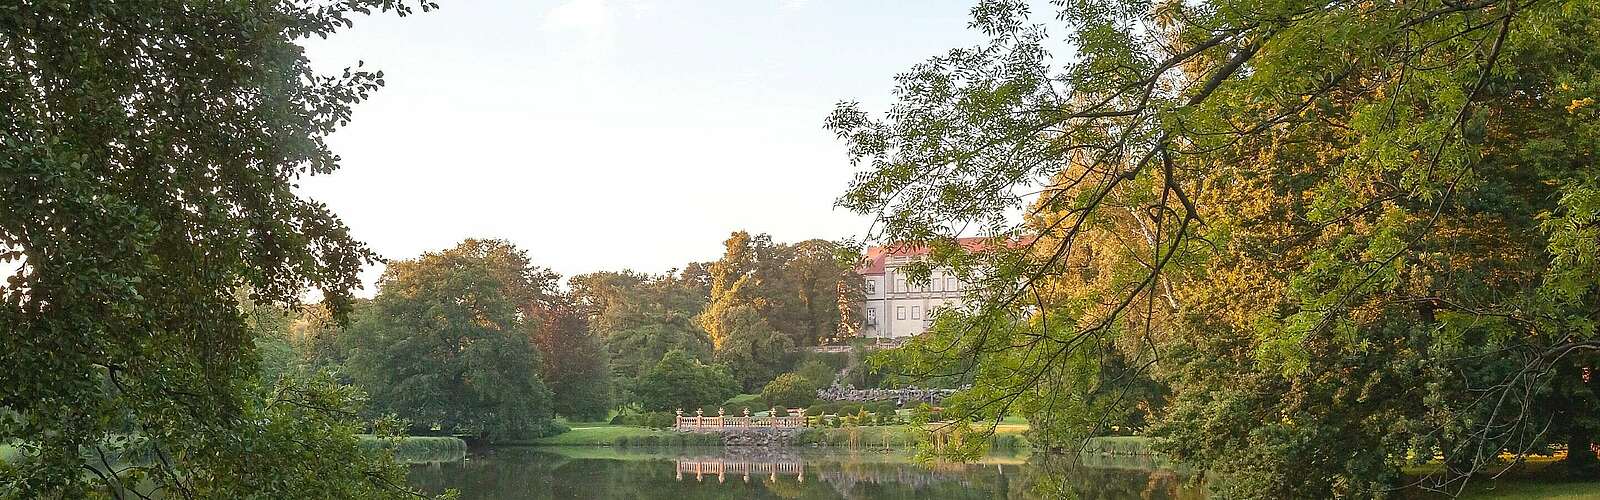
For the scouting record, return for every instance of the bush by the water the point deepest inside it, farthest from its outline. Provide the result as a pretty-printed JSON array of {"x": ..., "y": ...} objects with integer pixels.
[{"x": 651, "y": 419}]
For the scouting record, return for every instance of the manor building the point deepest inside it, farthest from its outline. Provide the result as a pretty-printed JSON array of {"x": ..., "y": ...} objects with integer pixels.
[{"x": 895, "y": 308}]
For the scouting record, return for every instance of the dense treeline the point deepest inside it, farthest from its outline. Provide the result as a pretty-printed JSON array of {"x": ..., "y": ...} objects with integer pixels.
[
  {"x": 1305, "y": 243},
  {"x": 476, "y": 340}
]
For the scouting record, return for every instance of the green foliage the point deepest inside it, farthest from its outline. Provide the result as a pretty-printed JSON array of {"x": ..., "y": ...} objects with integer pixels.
[
  {"x": 444, "y": 343},
  {"x": 816, "y": 372},
  {"x": 679, "y": 382},
  {"x": 638, "y": 318},
  {"x": 766, "y": 299},
  {"x": 148, "y": 155},
  {"x": 751, "y": 349},
  {"x": 789, "y": 390},
  {"x": 1300, "y": 241},
  {"x": 738, "y": 404},
  {"x": 574, "y": 363},
  {"x": 850, "y": 408},
  {"x": 650, "y": 419}
]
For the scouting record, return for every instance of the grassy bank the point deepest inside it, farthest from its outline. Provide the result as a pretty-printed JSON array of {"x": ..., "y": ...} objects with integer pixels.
[
  {"x": 892, "y": 436},
  {"x": 420, "y": 449},
  {"x": 624, "y": 435},
  {"x": 1538, "y": 477}
]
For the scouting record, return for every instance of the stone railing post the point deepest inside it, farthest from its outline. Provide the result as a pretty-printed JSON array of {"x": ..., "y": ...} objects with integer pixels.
[{"x": 678, "y": 422}]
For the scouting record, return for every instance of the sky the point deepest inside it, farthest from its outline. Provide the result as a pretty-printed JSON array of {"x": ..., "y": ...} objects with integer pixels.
[{"x": 612, "y": 134}]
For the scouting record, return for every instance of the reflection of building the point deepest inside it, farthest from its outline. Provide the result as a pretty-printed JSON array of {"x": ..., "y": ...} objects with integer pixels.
[
  {"x": 722, "y": 467},
  {"x": 894, "y": 306}
]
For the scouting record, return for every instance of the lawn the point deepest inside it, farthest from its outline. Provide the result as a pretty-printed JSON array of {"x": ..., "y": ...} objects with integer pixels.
[
  {"x": 598, "y": 435},
  {"x": 1538, "y": 477},
  {"x": 1530, "y": 489}
]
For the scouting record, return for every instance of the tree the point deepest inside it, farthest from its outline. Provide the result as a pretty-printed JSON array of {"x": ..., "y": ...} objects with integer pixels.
[
  {"x": 639, "y": 318},
  {"x": 1339, "y": 224},
  {"x": 575, "y": 365},
  {"x": 750, "y": 348},
  {"x": 680, "y": 382},
  {"x": 789, "y": 390},
  {"x": 150, "y": 155},
  {"x": 814, "y": 295},
  {"x": 444, "y": 343}
]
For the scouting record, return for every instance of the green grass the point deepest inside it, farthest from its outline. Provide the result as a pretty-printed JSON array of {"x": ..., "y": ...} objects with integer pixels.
[
  {"x": 598, "y": 435},
  {"x": 421, "y": 449},
  {"x": 1120, "y": 445},
  {"x": 1529, "y": 489},
  {"x": 877, "y": 437},
  {"x": 625, "y": 435},
  {"x": 1537, "y": 477}
]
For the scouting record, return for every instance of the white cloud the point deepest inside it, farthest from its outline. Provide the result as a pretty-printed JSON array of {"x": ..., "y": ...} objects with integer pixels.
[{"x": 792, "y": 5}]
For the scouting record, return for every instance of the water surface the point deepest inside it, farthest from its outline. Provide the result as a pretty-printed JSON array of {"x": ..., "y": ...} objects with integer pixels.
[{"x": 803, "y": 473}]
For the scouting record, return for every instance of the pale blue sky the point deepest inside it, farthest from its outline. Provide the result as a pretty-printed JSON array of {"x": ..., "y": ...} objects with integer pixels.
[{"x": 610, "y": 134}]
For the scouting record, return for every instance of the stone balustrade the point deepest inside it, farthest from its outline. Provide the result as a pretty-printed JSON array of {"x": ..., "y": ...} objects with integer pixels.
[{"x": 701, "y": 423}]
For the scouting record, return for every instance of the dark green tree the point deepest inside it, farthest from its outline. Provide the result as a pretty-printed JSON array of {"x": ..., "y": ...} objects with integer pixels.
[
  {"x": 444, "y": 344},
  {"x": 148, "y": 156},
  {"x": 789, "y": 390},
  {"x": 638, "y": 318},
  {"x": 679, "y": 381},
  {"x": 576, "y": 367}
]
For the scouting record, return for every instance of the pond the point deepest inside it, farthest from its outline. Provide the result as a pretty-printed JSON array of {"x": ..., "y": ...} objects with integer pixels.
[{"x": 792, "y": 473}]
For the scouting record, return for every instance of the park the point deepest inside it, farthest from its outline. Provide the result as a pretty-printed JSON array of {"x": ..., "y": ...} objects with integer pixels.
[{"x": 1026, "y": 249}]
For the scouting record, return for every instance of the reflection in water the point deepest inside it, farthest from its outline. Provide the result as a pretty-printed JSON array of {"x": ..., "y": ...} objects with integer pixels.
[
  {"x": 680, "y": 474},
  {"x": 722, "y": 466}
]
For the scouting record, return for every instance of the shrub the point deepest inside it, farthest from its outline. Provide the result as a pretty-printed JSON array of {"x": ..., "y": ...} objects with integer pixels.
[
  {"x": 679, "y": 381},
  {"x": 789, "y": 390},
  {"x": 738, "y": 404},
  {"x": 851, "y": 407},
  {"x": 817, "y": 372},
  {"x": 651, "y": 419}
]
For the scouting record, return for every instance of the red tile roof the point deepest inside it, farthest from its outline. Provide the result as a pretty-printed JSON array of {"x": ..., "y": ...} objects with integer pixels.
[{"x": 877, "y": 255}]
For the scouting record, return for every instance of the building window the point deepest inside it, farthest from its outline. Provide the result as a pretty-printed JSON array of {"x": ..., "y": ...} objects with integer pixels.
[
  {"x": 951, "y": 284},
  {"x": 869, "y": 287},
  {"x": 916, "y": 312},
  {"x": 900, "y": 284},
  {"x": 900, "y": 312},
  {"x": 872, "y": 316},
  {"x": 935, "y": 282}
]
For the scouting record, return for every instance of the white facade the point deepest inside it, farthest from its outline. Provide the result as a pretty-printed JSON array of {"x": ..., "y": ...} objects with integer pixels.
[{"x": 896, "y": 308}]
